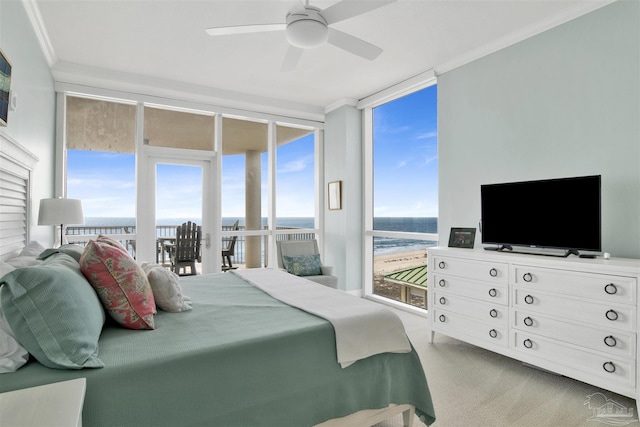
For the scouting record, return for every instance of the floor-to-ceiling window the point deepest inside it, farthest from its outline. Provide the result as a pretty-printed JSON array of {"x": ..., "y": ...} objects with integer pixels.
[
  {"x": 171, "y": 161},
  {"x": 245, "y": 151},
  {"x": 178, "y": 146},
  {"x": 404, "y": 199},
  {"x": 100, "y": 140}
]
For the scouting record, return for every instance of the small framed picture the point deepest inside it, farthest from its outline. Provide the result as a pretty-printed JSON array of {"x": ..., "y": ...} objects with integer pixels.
[
  {"x": 335, "y": 195},
  {"x": 462, "y": 238},
  {"x": 5, "y": 89}
]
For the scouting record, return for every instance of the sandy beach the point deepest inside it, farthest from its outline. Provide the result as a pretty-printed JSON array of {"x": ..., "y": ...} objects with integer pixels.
[{"x": 385, "y": 264}]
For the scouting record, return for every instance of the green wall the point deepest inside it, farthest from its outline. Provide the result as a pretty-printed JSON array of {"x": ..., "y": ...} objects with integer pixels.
[
  {"x": 32, "y": 124},
  {"x": 563, "y": 103}
]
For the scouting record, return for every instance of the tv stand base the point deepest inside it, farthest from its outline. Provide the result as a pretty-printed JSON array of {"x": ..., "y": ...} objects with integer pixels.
[{"x": 509, "y": 249}]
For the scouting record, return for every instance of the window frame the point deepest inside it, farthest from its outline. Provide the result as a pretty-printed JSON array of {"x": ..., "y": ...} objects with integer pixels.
[
  {"x": 367, "y": 105},
  {"x": 143, "y": 164}
]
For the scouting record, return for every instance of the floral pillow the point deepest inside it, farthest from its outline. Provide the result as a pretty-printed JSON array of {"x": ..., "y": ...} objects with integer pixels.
[
  {"x": 120, "y": 282},
  {"x": 303, "y": 265}
]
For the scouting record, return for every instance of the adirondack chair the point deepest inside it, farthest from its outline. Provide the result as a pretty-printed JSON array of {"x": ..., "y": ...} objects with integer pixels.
[
  {"x": 185, "y": 252},
  {"x": 229, "y": 250}
]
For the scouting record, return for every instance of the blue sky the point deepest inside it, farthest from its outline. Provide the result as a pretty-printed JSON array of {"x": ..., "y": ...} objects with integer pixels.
[
  {"x": 405, "y": 172},
  {"x": 405, "y": 156}
]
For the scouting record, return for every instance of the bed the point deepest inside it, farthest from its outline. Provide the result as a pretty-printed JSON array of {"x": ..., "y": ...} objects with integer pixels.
[{"x": 239, "y": 357}]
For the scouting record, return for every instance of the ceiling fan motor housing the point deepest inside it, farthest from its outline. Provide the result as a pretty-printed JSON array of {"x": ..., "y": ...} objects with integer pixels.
[{"x": 307, "y": 29}]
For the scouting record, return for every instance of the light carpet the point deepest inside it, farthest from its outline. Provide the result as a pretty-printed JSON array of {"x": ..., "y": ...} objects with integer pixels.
[{"x": 471, "y": 386}]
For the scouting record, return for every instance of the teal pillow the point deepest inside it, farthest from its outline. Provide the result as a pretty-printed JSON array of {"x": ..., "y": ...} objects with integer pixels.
[
  {"x": 54, "y": 313},
  {"x": 75, "y": 251},
  {"x": 303, "y": 265}
]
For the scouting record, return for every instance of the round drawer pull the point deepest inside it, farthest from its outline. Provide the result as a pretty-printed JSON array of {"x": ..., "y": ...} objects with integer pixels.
[
  {"x": 493, "y": 313},
  {"x": 493, "y": 292},
  {"x": 610, "y": 341},
  {"x": 528, "y": 321},
  {"x": 611, "y": 289},
  {"x": 527, "y": 343},
  {"x": 528, "y": 299},
  {"x": 493, "y": 272},
  {"x": 609, "y": 367},
  {"x": 443, "y": 300},
  {"x": 493, "y": 333},
  {"x": 442, "y": 318},
  {"x": 612, "y": 315},
  {"x": 527, "y": 277},
  {"x": 442, "y": 283},
  {"x": 442, "y": 264}
]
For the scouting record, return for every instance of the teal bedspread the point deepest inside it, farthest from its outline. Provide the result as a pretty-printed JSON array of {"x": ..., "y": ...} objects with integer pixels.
[{"x": 239, "y": 358}]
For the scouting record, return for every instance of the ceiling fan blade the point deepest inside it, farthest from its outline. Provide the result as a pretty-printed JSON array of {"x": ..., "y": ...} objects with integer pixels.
[
  {"x": 349, "y": 8},
  {"x": 245, "y": 29},
  {"x": 353, "y": 44},
  {"x": 291, "y": 59}
]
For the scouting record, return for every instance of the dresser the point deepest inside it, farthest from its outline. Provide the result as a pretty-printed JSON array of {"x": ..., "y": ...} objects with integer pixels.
[{"x": 574, "y": 316}]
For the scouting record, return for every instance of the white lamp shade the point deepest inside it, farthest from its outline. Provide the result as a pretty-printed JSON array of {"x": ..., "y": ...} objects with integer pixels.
[{"x": 60, "y": 211}]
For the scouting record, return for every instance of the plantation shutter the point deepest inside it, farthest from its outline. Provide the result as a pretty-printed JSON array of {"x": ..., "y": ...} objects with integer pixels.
[{"x": 16, "y": 166}]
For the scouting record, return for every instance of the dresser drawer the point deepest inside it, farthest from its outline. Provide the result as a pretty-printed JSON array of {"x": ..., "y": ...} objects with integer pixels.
[
  {"x": 615, "y": 316},
  {"x": 446, "y": 320},
  {"x": 489, "y": 292},
  {"x": 608, "y": 368},
  {"x": 603, "y": 287},
  {"x": 610, "y": 341},
  {"x": 491, "y": 313},
  {"x": 487, "y": 271}
]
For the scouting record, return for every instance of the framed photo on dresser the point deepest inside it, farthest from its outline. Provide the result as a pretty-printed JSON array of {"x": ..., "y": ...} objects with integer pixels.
[{"x": 462, "y": 237}]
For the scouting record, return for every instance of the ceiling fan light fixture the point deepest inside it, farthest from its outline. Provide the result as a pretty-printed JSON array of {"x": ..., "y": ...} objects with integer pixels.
[{"x": 307, "y": 30}]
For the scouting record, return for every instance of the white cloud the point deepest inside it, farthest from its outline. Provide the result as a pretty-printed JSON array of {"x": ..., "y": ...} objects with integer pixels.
[
  {"x": 426, "y": 135},
  {"x": 296, "y": 165}
]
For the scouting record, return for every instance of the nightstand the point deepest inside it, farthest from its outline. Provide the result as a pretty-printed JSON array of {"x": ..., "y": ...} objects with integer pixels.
[{"x": 58, "y": 404}]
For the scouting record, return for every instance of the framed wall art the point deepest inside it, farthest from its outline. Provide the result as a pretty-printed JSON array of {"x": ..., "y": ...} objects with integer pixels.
[
  {"x": 335, "y": 195},
  {"x": 5, "y": 85}
]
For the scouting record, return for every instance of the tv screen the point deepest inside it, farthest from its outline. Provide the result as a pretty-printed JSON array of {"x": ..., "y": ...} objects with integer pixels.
[{"x": 555, "y": 213}]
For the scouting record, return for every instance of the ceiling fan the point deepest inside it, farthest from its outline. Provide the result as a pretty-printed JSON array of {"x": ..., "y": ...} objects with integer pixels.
[{"x": 308, "y": 27}]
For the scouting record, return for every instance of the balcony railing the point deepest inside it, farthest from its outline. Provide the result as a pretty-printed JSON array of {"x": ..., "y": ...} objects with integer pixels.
[{"x": 126, "y": 236}]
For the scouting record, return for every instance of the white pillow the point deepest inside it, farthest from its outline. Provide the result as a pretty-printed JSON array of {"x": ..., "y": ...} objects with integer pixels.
[
  {"x": 166, "y": 288},
  {"x": 23, "y": 261},
  {"x": 33, "y": 249},
  {"x": 12, "y": 354},
  {"x": 5, "y": 268}
]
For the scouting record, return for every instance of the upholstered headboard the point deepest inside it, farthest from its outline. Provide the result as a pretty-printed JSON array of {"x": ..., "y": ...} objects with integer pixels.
[{"x": 16, "y": 167}]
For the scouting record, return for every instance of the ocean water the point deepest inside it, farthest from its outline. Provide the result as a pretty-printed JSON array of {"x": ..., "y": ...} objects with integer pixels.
[
  {"x": 386, "y": 245},
  {"x": 381, "y": 245}
]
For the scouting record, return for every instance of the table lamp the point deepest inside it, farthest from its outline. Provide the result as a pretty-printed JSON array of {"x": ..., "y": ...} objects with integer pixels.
[{"x": 60, "y": 211}]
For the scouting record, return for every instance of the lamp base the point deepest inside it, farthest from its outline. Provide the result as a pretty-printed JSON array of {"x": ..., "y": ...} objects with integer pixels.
[{"x": 61, "y": 234}]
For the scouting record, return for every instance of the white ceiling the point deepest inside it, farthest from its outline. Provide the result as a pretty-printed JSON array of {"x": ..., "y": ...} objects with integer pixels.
[{"x": 163, "y": 44}]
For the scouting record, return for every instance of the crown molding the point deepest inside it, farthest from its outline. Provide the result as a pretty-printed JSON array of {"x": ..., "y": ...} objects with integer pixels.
[
  {"x": 33, "y": 13},
  {"x": 65, "y": 74},
  {"x": 428, "y": 77},
  {"x": 340, "y": 103},
  {"x": 412, "y": 84},
  {"x": 582, "y": 8}
]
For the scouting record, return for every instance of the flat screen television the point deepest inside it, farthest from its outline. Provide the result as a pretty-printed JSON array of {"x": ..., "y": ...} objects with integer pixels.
[{"x": 553, "y": 213}]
